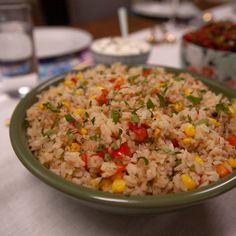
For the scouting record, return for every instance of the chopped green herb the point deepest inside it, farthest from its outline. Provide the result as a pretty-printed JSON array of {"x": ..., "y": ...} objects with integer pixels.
[
  {"x": 83, "y": 85},
  {"x": 163, "y": 102},
  {"x": 192, "y": 168},
  {"x": 132, "y": 79},
  {"x": 115, "y": 146},
  {"x": 94, "y": 138},
  {"x": 93, "y": 120},
  {"x": 120, "y": 132},
  {"x": 99, "y": 148},
  {"x": 115, "y": 115},
  {"x": 134, "y": 118},
  {"x": 189, "y": 118},
  {"x": 70, "y": 134},
  {"x": 150, "y": 104},
  {"x": 178, "y": 78},
  {"x": 146, "y": 161},
  {"x": 50, "y": 107},
  {"x": 78, "y": 125},
  {"x": 169, "y": 151},
  {"x": 223, "y": 107},
  {"x": 69, "y": 118},
  {"x": 203, "y": 90},
  {"x": 107, "y": 157},
  {"x": 49, "y": 132},
  {"x": 203, "y": 121},
  {"x": 194, "y": 100},
  {"x": 178, "y": 162}
]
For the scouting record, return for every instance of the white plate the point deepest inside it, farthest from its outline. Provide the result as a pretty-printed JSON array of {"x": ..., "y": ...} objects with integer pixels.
[
  {"x": 59, "y": 41},
  {"x": 164, "y": 10}
]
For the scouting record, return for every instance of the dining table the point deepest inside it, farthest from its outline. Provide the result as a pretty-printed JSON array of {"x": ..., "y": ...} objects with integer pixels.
[{"x": 30, "y": 207}]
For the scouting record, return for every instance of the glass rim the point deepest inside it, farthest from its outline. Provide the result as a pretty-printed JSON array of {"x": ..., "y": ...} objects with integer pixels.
[{"x": 14, "y": 6}]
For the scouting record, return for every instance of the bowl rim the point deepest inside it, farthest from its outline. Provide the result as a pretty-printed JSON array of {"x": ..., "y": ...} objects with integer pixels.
[{"x": 18, "y": 141}]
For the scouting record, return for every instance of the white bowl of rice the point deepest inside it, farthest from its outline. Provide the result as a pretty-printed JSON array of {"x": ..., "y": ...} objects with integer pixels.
[
  {"x": 117, "y": 49},
  {"x": 129, "y": 139}
]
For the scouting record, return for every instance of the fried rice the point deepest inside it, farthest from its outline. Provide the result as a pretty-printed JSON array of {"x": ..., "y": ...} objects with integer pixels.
[{"x": 133, "y": 130}]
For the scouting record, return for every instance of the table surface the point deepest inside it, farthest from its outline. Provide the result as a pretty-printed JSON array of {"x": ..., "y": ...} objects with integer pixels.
[{"x": 29, "y": 207}]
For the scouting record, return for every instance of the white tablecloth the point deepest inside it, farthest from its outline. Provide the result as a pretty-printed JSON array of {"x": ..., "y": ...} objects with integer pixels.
[{"x": 29, "y": 207}]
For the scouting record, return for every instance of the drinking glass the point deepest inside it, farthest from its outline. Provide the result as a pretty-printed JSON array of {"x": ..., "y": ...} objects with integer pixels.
[{"x": 18, "y": 66}]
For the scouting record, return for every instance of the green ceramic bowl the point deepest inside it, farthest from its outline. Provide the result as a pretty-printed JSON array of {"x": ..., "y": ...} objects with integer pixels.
[{"x": 107, "y": 201}]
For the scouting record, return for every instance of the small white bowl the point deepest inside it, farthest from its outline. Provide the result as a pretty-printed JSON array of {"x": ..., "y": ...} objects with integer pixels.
[{"x": 116, "y": 49}]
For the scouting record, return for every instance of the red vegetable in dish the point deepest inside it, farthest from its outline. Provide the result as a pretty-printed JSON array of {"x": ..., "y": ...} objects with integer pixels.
[
  {"x": 232, "y": 140},
  {"x": 102, "y": 99},
  {"x": 216, "y": 35},
  {"x": 140, "y": 131},
  {"x": 123, "y": 150}
]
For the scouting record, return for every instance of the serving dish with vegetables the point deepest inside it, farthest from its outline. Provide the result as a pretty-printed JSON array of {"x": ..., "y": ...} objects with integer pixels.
[{"x": 136, "y": 139}]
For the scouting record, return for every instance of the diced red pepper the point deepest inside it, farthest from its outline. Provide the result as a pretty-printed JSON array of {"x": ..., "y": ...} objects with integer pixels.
[
  {"x": 232, "y": 140},
  {"x": 102, "y": 152},
  {"x": 102, "y": 99},
  {"x": 74, "y": 80},
  {"x": 147, "y": 71},
  {"x": 175, "y": 142},
  {"x": 123, "y": 150},
  {"x": 120, "y": 168},
  {"x": 141, "y": 134},
  {"x": 118, "y": 83},
  {"x": 84, "y": 158}
]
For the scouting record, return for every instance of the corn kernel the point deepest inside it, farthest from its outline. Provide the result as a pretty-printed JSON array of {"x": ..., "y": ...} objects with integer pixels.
[
  {"x": 214, "y": 122},
  {"x": 190, "y": 130},
  {"x": 83, "y": 131},
  {"x": 100, "y": 87},
  {"x": 41, "y": 106},
  {"x": 231, "y": 110},
  {"x": 163, "y": 84},
  {"x": 68, "y": 83},
  {"x": 92, "y": 97},
  {"x": 232, "y": 162},
  {"x": 118, "y": 186},
  {"x": 79, "y": 76},
  {"x": 187, "y": 91},
  {"x": 75, "y": 147},
  {"x": 106, "y": 184},
  {"x": 79, "y": 111},
  {"x": 199, "y": 159},
  {"x": 157, "y": 133},
  {"x": 188, "y": 182},
  {"x": 178, "y": 106},
  {"x": 187, "y": 141},
  {"x": 78, "y": 92},
  {"x": 66, "y": 104}
]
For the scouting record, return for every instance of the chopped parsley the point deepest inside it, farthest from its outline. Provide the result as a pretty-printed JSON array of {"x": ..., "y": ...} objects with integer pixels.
[
  {"x": 100, "y": 147},
  {"x": 107, "y": 157},
  {"x": 194, "y": 100},
  {"x": 146, "y": 161},
  {"x": 134, "y": 117},
  {"x": 203, "y": 121},
  {"x": 69, "y": 118},
  {"x": 115, "y": 146},
  {"x": 115, "y": 115},
  {"x": 94, "y": 138},
  {"x": 50, "y": 107},
  {"x": 150, "y": 104},
  {"x": 132, "y": 79},
  {"x": 49, "y": 132},
  {"x": 93, "y": 120},
  {"x": 163, "y": 102}
]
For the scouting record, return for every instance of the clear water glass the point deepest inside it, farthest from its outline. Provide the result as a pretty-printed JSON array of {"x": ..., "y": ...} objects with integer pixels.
[{"x": 18, "y": 64}]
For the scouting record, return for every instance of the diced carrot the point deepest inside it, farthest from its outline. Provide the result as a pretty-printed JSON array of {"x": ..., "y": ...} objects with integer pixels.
[{"x": 222, "y": 170}]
